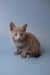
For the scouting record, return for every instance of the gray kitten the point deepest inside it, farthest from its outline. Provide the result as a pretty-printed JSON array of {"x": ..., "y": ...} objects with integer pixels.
[{"x": 24, "y": 40}]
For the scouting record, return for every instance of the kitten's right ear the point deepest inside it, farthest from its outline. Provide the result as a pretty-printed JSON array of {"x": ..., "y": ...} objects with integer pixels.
[
  {"x": 24, "y": 26},
  {"x": 11, "y": 26}
]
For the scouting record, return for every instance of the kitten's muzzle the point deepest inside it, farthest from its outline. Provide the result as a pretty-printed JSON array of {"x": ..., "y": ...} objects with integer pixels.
[{"x": 19, "y": 39}]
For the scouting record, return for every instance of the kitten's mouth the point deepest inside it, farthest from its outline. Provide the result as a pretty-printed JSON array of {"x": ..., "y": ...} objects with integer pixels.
[{"x": 18, "y": 40}]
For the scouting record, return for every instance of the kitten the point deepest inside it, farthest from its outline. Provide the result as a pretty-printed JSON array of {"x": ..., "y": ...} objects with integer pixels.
[{"x": 25, "y": 41}]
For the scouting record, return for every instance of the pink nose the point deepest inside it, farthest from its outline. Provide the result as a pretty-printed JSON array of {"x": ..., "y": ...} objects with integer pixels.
[{"x": 18, "y": 38}]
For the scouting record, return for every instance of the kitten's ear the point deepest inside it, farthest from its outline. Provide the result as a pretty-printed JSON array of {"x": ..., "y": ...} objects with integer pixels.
[
  {"x": 11, "y": 26},
  {"x": 24, "y": 26}
]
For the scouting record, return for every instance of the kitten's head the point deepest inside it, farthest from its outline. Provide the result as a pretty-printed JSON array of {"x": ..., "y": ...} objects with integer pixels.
[{"x": 17, "y": 33}]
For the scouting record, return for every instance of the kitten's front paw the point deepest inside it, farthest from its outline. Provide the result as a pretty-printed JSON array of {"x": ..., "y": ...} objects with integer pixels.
[
  {"x": 22, "y": 56},
  {"x": 15, "y": 53}
]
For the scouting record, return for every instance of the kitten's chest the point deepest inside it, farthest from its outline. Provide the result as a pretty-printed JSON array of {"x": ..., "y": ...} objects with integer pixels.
[{"x": 19, "y": 45}]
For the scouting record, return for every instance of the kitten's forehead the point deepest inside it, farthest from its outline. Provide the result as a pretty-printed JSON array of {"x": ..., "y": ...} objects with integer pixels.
[{"x": 18, "y": 28}]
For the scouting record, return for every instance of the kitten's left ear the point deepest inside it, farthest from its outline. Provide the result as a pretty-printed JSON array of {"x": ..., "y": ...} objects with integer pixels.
[
  {"x": 11, "y": 26},
  {"x": 24, "y": 26}
]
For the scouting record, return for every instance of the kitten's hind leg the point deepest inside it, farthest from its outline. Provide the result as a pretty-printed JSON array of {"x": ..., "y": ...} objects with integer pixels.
[
  {"x": 36, "y": 53},
  {"x": 28, "y": 56}
]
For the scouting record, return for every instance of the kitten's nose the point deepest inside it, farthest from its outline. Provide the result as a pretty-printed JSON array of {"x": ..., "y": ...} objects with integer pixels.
[{"x": 18, "y": 38}]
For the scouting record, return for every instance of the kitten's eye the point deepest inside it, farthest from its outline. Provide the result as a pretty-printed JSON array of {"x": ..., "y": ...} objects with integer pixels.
[
  {"x": 21, "y": 34},
  {"x": 15, "y": 34}
]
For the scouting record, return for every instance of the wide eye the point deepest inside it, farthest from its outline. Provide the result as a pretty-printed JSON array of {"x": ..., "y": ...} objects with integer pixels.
[
  {"x": 21, "y": 34},
  {"x": 15, "y": 34}
]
